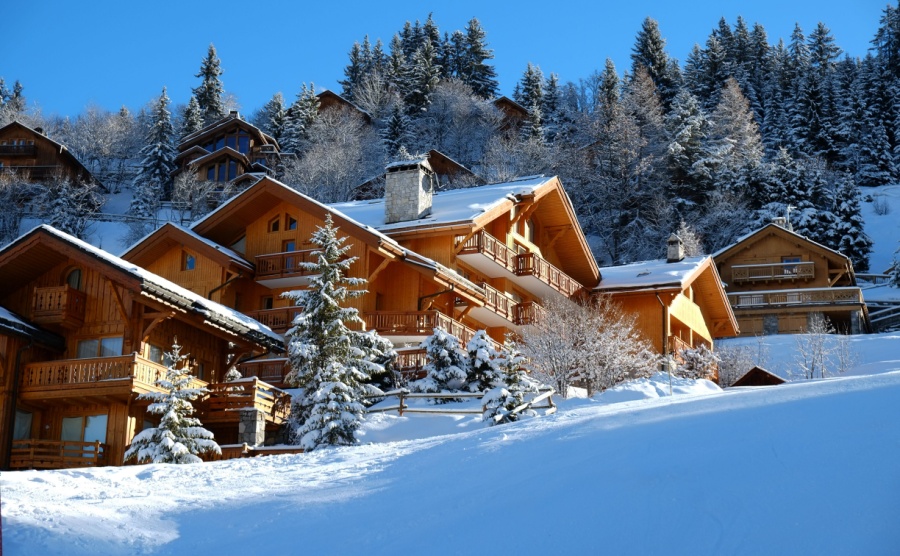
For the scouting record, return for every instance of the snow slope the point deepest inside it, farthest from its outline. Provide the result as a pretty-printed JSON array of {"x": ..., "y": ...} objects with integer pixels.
[{"x": 802, "y": 468}]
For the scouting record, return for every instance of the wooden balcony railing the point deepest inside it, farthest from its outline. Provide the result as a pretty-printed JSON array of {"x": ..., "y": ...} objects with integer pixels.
[
  {"x": 491, "y": 247},
  {"x": 272, "y": 371},
  {"x": 283, "y": 265},
  {"x": 56, "y": 454},
  {"x": 498, "y": 302},
  {"x": 247, "y": 393},
  {"x": 62, "y": 373},
  {"x": 416, "y": 323},
  {"x": 812, "y": 296},
  {"x": 528, "y": 312},
  {"x": 773, "y": 271},
  {"x": 17, "y": 150},
  {"x": 62, "y": 305},
  {"x": 278, "y": 319},
  {"x": 410, "y": 361},
  {"x": 525, "y": 264},
  {"x": 530, "y": 264}
]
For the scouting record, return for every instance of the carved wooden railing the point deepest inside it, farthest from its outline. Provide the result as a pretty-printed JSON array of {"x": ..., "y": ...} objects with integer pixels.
[
  {"x": 497, "y": 301},
  {"x": 528, "y": 312},
  {"x": 248, "y": 393},
  {"x": 773, "y": 271},
  {"x": 278, "y": 319},
  {"x": 491, "y": 247},
  {"x": 530, "y": 264},
  {"x": 272, "y": 371},
  {"x": 410, "y": 361},
  {"x": 56, "y": 374},
  {"x": 58, "y": 305},
  {"x": 812, "y": 296},
  {"x": 416, "y": 323},
  {"x": 56, "y": 454},
  {"x": 283, "y": 265}
]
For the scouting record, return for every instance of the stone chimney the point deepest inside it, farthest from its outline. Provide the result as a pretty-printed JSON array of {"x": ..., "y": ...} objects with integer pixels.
[
  {"x": 408, "y": 190},
  {"x": 674, "y": 249}
]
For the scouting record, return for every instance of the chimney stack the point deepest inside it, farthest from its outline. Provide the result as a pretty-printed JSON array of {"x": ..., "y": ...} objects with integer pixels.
[
  {"x": 674, "y": 249},
  {"x": 408, "y": 190},
  {"x": 783, "y": 222}
]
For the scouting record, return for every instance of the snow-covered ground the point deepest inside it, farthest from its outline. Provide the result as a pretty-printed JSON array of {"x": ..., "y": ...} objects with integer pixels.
[{"x": 801, "y": 468}]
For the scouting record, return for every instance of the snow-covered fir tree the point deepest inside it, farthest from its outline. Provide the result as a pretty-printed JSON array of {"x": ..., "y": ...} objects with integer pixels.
[
  {"x": 852, "y": 240},
  {"x": 397, "y": 133},
  {"x": 192, "y": 118},
  {"x": 179, "y": 437},
  {"x": 329, "y": 362},
  {"x": 70, "y": 206},
  {"x": 153, "y": 180},
  {"x": 445, "y": 370},
  {"x": 299, "y": 119},
  {"x": 482, "y": 372},
  {"x": 894, "y": 271},
  {"x": 515, "y": 384},
  {"x": 210, "y": 92},
  {"x": 475, "y": 71}
]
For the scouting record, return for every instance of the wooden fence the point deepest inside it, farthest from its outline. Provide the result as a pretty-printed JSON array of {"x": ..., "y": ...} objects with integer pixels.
[
  {"x": 56, "y": 454},
  {"x": 403, "y": 394}
]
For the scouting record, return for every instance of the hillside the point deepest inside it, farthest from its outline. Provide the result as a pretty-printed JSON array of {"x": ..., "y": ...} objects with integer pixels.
[{"x": 801, "y": 468}]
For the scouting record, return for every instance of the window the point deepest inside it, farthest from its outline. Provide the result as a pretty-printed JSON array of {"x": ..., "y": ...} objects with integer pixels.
[
  {"x": 22, "y": 425},
  {"x": 290, "y": 223},
  {"x": 787, "y": 267},
  {"x": 154, "y": 353},
  {"x": 99, "y": 347},
  {"x": 266, "y": 302},
  {"x": 275, "y": 224},
  {"x": 188, "y": 261},
  {"x": 84, "y": 428},
  {"x": 73, "y": 278},
  {"x": 243, "y": 143}
]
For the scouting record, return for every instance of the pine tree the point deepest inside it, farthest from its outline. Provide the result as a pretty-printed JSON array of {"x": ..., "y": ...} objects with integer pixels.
[
  {"x": 69, "y": 206},
  {"x": 153, "y": 180},
  {"x": 475, "y": 72},
  {"x": 445, "y": 370},
  {"x": 397, "y": 134},
  {"x": 209, "y": 93},
  {"x": 689, "y": 159},
  {"x": 649, "y": 52},
  {"x": 423, "y": 77},
  {"x": 328, "y": 360},
  {"x": 516, "y": 383},
  {"x": 299, "y": 119},
  {"x": 550, "y": 108},
  {"x": 734, "y": 138},
  {"x": 482, "y": 372},
  {"x": 852, "y": 240},
  {"x": 355, "y": 70},
  {"x": 192, "y": 119},
  {"x": 179, "y": 438},
  {"x": 271, "y": 118}
]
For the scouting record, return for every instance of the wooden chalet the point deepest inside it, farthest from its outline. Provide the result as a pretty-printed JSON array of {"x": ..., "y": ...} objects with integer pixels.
[
  {"x": 757, "y": 376},
  {"x": 329, "y": 100},
  {"x": 776, "y": 279},
  {"x": 679, "y": 302},
  {"x": 86, "y": 332},
  {"x": 226, "y": 149},
  {"x": 31, "y": 155},
  {"x": 461, "y": 260}
]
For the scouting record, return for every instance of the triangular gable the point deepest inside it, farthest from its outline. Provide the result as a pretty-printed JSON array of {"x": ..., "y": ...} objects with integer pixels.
[
  {"x": 170, "y": 235},
  {"x": 61, "y": 149},
  {"x": 216, "y": 127},
  {"x": 224, "y": 152},
  {"x": 838, "y": 258},
  {"x": 196, "y": 152},
  {"x": 330, "y": 99},
  {"x": 43, "y": 247}
]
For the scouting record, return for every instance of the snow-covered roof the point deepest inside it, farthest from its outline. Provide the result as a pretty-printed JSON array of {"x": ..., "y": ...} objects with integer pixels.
[
  {"x": 13, "y": 324},
  {"x": 650, "y": 274},
  {"x": 157, "y": 287},
  {"x": 448, "y": 207},
  {"x": 231, "y": 254},
  {"x": 783, "y": 229}
]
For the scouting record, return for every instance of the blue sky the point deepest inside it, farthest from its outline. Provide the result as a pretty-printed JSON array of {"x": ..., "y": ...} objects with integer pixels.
[{"x": 70, "y": 54}]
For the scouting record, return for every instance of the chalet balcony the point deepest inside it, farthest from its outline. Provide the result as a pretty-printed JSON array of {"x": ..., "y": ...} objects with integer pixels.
[
  {"x": 527, "y": 313},
  {"x": 272, "y": 371},
  {"x": 498, "y": 309},
  {"x": 403, "y": 327},
  {"x": 43, "y": 172},
  {"x": 748, "y": 273},
  {"x": 278, "y": 319},
  {"x": 821, "y": 298},
  {"x": 18, "y": 150},
  {"x": 226, "y": 400},
  {"x": 494, "y": 259},
  {"x": 101, "y": 377},
  {"x": 56, "y": 454},
  {"x": 283, "y": 270},
  {"x": 62, "y": 305}
]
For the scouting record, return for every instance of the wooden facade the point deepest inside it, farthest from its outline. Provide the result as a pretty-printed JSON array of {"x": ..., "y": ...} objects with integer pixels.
[
  {"x": 776, "y": 279},
  {"x": 109, "y": 324},
  {"x": 678, "y": 304},
  {"x": 30, "y": 155}
]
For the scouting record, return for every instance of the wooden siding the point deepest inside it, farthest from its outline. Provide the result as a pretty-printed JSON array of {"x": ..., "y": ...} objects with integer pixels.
[{"x": 39, "y": 161}]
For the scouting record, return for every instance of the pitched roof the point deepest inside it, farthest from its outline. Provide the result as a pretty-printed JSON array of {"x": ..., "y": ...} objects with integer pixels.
[
  {"x": 60, "y": 148},
  {"x": 218, "y": 125},
  {"x": 328, "y": 99},
  {"x": 150, "y": 285},
  {"x": 651, "y": 275},
  {"x": 756, "y": 235},
  {"x": 14, "y": 325},
  {"x": 154, "y": 244}
]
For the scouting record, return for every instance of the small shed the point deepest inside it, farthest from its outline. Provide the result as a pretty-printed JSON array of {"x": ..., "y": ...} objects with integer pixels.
[{"x": 757, "y": 376}]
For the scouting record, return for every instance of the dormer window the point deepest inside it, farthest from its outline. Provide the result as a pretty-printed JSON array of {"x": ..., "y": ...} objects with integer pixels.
[
  {"x": 275, "y": 224},
  {"x": 290, "y": 223}
]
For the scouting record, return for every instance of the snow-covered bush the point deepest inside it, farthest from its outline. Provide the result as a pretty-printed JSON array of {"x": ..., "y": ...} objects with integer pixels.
[
  {"x": 510, "y": 364},
  {"x": 446, "y": 366},
  {"x": 179, "y": 438},
  {"x": 699, "y": 362}
]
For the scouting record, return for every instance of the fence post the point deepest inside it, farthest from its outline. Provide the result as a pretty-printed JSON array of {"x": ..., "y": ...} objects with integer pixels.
[{"x": 400, "y": 409}]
